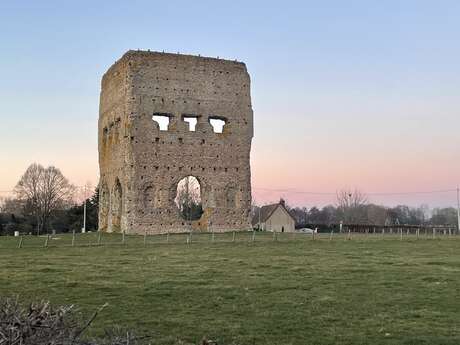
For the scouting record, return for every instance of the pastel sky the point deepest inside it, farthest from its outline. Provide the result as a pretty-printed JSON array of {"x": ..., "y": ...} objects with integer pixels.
[{"x": 346, "y": 94}]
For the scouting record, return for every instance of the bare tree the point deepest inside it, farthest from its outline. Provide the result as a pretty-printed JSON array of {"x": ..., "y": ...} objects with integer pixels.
[
  {"x": 351, "y": 206},
  {"x": 188, "y": 198},
  {"x": 376, "y": 214},
  {"x": 305, "y": 214},
  {"x": 27, "y": 190},
  {"x": 43, "y": 190},
  {"x": 14, "y": 206}
]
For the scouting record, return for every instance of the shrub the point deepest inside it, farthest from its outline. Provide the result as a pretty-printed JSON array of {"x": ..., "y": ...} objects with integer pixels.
[{"x": 43, "y": 324}]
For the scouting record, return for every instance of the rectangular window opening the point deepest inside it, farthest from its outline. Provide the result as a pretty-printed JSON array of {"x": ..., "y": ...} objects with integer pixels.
[
  {"x": 192, "y": 120},
  {"x": 217, "y": 123},
  {"x": 162, "y": 119}
]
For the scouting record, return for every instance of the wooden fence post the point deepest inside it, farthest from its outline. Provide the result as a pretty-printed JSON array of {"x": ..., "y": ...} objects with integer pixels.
[
  {"x": 212, "y": 236},
  {"x": 234, "y": 234},
  {"x": 167, "y": 237},
  {"x": 401, "y": 233},
  {"x": 330, "y": 236},
  {"x": 253, "y": 235},
  {"x": 434, "y": 233},
  {"x": 418, "y": 233},
  {"x": 145, "y": 238},
  {"x": 73, "y": 238},
  {"x": 46, "y": 240},
  {"x": 20, "y": 242},
  {"x": 123, "y": 237}
]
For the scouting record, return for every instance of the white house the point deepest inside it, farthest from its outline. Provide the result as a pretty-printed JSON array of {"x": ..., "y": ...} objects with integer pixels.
[{"x": 274, "y": 217}]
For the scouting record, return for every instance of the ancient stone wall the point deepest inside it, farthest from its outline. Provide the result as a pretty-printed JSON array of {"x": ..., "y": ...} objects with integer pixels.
[{"x": 140, "y": 165}]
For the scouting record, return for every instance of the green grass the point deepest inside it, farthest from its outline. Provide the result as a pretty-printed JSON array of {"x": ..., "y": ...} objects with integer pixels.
[{"x": 293, "y": 291}]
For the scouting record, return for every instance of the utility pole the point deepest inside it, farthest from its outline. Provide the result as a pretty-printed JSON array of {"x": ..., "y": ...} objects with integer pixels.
[
  {"x": 84, "y": 212},
  {"x": 258, "y": 225},
  {"x": 458, "y": 209}
]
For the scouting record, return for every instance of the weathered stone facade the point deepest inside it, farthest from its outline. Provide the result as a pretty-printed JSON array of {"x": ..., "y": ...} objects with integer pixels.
[{"x": 140, "y": 165}]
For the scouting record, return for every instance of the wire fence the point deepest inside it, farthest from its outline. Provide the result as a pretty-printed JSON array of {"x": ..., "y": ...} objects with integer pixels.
[{"x": 98, "y": 239}]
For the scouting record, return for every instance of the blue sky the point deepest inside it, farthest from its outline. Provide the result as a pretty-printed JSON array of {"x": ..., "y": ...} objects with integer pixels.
[{"x": 345, "y": 93}]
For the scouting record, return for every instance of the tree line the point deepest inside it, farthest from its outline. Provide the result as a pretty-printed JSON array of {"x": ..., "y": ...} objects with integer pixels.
[
  {"x": 45, "y": 201},
  {"x": 353, "y": 207}
]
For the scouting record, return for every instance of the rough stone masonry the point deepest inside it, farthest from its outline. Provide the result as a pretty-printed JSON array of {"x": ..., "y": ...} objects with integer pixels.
[{"x": 141, "y": 165}]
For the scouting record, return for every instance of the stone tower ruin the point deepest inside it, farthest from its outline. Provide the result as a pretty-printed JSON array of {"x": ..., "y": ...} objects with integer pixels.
[{"x": 141, "y": 163}]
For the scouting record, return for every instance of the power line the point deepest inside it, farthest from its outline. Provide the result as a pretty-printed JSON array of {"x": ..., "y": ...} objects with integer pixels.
[
  {"x": 295, "y": 191},
  {"x": 77, "y": 186},
  {"x": 412, "y": 193},
  {"x": 292, "y": 190}
]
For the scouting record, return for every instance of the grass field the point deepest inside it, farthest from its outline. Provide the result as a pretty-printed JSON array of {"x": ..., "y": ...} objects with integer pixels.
[{"x": 368, "y": 290}]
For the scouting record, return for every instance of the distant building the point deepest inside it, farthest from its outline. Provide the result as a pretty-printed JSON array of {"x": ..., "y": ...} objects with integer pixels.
[{"x": 274, "y": 217}]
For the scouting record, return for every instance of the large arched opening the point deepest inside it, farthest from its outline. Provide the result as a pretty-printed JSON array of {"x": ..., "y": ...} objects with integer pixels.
[{"x": 188, "y": 198}]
